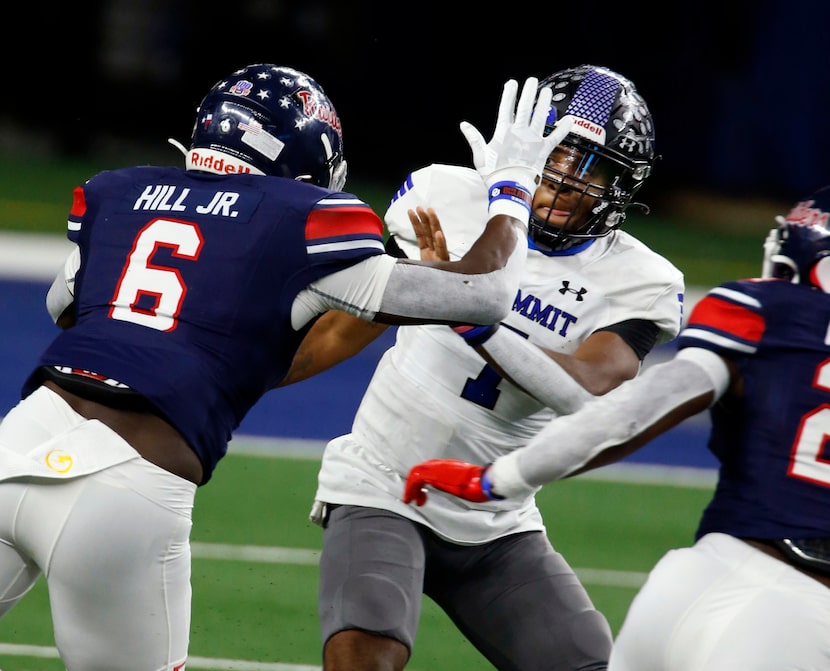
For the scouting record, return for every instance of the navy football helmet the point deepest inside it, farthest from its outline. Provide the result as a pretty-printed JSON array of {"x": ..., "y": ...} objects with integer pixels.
[
  {"x": 799, "y": 249},
  {"x": 269, "y": 120},
  {"x": 599, "y": 166}
]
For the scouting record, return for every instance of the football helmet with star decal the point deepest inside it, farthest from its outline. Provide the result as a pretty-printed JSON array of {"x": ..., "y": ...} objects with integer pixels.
[
  {"x": 799, "y": 249},
  {"x": 269, "y": 120},
  {"x": 592, "y": 175}
]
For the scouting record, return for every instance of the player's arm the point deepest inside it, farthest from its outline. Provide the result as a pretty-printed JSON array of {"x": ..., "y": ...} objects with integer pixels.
[
  {"x": 563, "y": 382},
  {"x": 609, "y": 357},
  {"x": 560, "y": 381},
  {"x": 604, "y": 430},
  {"x": 482, "y": 283},
  {"x": 616, "y": 424},
  {"x": 334, "y": 337},
  {"x": 606, "y": 359},
  {"x": 478, "y": 288},
  {"x": 337, "y": 335}
]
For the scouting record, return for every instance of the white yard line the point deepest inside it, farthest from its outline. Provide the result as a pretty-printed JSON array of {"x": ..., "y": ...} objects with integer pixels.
[
  {"x": 309, "y": 557},
  {"x": 32, "y": 256},
  {"x": 46, "y": 652}
]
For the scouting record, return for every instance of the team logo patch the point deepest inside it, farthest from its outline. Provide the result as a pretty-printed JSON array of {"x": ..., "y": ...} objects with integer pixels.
[
  {"x": 566, "y": 288},
  {"x": 59, "y": 461},
  {"x": 242, "y": 88}
]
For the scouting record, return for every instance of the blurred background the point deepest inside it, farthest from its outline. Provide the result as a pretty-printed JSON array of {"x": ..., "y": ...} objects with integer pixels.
[{"x": 739, "y": 90}]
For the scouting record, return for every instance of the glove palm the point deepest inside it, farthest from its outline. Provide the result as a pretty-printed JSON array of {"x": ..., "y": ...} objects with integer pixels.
[{"x": 518, "y": 149}]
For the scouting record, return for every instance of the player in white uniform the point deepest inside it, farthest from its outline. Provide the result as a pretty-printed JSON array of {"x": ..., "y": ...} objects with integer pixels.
[
  {"x": 592, "y": 296},
  {"x": 753, "y": 591}
]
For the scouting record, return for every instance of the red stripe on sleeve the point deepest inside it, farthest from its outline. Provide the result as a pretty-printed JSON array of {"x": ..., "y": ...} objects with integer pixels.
[
  {"x": 728, "y": 317},
  {"x": 332, "y": 221},
  {"x": 78, "y": 202}
]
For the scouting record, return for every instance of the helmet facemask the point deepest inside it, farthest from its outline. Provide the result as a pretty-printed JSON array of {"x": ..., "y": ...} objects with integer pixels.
[
  {"x": 335, "y": 164},
  {"x": 593, "y": 184},
  {"x": 798, "y": 250},
  {"x": 798, "y": 253}
]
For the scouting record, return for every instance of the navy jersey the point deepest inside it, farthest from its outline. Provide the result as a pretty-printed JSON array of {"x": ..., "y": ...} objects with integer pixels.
[
  {"x": 186, "y": 283},
  {"x": 772, "y": 443}
]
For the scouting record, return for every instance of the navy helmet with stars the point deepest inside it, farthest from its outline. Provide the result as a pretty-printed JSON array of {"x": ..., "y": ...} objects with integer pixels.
[{"x": 269, "y": 120}]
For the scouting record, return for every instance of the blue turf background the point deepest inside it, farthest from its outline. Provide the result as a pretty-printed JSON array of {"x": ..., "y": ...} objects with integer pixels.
[{"x": 316, "y": 409}]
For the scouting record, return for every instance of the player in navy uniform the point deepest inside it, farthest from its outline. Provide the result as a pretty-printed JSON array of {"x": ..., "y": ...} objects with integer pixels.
[
  {"x": 185, "y": 301},
  {"x": 754, "y": 590}
]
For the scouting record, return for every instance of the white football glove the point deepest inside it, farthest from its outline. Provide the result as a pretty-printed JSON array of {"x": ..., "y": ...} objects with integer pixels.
[{"x": 512, "y": 162}]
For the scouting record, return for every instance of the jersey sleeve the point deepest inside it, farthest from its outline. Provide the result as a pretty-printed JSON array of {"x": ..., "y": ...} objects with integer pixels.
[
  {"x": 458, "y": 197},
  {"x": 668, "y": 306},
  {"x": 728, "y": 321},
  {"x": 657, "y": 298},
  {"x": 341, "y": 229},
  {"x": 76, "y": 214}
]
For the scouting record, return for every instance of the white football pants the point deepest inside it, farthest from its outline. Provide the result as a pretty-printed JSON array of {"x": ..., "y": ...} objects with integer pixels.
[
  {"x": 723, "y": 605},
  {"x": 113, "y": 543}
]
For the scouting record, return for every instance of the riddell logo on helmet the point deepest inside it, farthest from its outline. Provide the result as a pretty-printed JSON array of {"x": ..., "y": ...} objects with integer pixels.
[
  {"x": 588, "y": 130},
  {"x": 324, "y": 112},
  {"x": 212, "y": 161}
]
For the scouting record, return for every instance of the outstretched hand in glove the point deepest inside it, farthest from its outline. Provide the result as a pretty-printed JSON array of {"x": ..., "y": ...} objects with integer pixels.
[
  {"x": 466, "y": 481},
  {"x": 511, "y": 162}
]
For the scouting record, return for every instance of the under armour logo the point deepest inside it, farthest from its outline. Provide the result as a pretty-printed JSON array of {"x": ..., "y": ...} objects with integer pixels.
[{"x": 566, "y": 287}]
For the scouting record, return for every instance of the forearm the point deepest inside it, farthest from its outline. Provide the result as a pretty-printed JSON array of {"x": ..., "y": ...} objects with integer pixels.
[
  {"x": 334, "y": 337},
  {"x": 530, "y": 368},
  {"x": 446, "y": 292},
  {"x": 661, "y": 397},
  {"x": 392, "y": 291}
]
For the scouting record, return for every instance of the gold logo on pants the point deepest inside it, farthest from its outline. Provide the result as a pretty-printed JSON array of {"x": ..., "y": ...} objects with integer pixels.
[{"x": 59, "y": 461}]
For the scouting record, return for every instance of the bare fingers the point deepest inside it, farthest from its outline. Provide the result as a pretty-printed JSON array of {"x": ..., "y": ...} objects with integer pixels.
[{"x": 427, "y": 228}]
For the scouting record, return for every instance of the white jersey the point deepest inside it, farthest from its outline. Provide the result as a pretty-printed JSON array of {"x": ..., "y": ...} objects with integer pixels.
[{"x": 433, "y": 397}]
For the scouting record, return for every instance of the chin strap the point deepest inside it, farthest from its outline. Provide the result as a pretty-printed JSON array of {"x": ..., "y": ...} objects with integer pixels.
[{"x": 178, "y": 145}]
